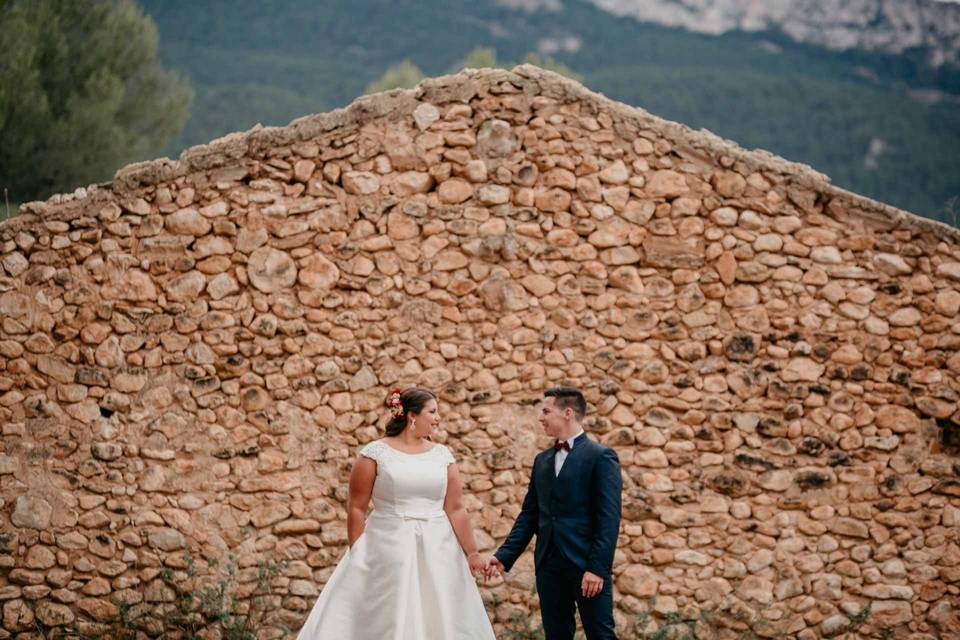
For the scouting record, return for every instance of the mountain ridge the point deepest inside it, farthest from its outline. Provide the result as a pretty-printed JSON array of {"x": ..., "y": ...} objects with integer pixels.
[{"x": 889, "y": 26}]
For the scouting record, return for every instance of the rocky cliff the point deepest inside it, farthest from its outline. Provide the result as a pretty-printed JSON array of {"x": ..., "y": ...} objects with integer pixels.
[{"x": 891, "y": 26}]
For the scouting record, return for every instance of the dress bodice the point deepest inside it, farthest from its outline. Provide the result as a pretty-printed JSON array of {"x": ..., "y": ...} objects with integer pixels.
[{"x": 409, "y": 484}]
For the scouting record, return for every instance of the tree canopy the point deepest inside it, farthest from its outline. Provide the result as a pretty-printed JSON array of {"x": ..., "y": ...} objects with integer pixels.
[
  {"x": 81, "y": 93},
  {"x": 404, "y": 75}
]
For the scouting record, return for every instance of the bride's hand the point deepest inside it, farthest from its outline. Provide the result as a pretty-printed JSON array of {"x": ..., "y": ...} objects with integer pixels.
[{"x": 477, "y": 564}]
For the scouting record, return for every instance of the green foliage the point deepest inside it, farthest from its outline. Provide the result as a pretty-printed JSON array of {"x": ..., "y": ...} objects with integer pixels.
[
  {"x": 677, "y": 625},
  {"x": 521, "y": 627},
  {"x": 859, "y": 619},
  {"x": 950, "y": 212},
  {"x": 203, "y": 606},
  {"x": 250, "y": 103},
  {"x": 708, "y": 623},
  {"x": 405, "y": 75},
  {"x": 81, "y": 93},
  {"x": 8, "y": 209},
  {"x": 551, "y": 64},
  {"x": 481, "y": 58},
  {"x": 486, "y": 57}
]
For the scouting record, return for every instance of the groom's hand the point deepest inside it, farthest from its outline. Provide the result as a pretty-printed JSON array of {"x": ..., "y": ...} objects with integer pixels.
[
  {"x": 494, "y": 568},
  {"x": 592, "y": 584}
]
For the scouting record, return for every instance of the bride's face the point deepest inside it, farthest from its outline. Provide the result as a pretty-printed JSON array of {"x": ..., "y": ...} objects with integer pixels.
[{"x": 425, "y": 422}]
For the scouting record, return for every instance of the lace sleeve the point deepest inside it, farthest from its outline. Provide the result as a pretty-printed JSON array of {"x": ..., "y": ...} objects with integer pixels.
[{"x": 373, "y": 450}]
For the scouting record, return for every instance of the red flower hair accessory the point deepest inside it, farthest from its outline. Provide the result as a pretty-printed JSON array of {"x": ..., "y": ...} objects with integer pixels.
[{"x": 393, "y": 401}]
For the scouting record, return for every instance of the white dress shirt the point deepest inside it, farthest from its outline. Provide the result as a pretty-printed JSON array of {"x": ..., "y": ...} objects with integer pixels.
[{"x": 562, "y": 454}]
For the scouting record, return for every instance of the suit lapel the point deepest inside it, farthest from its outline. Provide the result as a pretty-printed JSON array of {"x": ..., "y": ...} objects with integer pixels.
[{"x": 547, "y": 475}]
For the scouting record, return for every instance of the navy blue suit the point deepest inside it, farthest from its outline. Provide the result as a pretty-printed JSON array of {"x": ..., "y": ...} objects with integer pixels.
[{"x": 576, "y": 518}]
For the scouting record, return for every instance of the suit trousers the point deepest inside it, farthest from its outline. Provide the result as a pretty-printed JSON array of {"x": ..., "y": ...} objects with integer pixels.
[{"x": 559, "y": 583}]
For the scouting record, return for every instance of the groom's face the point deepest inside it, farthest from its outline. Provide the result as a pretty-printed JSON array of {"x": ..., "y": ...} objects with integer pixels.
[{"x": 554, "y": 419}]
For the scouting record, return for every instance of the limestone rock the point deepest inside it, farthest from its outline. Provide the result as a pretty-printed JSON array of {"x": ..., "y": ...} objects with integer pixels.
[
  {"x": 412, "y": 182},
  {"x": 17, "y": 615},
  {"x": 638, "y": 581},
  {"x": 897, "y": 419},
  {"x": 222, "y": 285},
  {"x": 729, "y": 184},
  {"x": 553, "y": 200},
  {"x": 495, "y": 139},
  {"x": 892, "y": 264},
  {"x": 187, "y": 222},
  {"x": 666, "y": 184},
  {"x": 98, "y": 609},
  {"x": 454, "y": 191},
  {"x": 849, "y": 527},
  {"x": 361, "y": 182},
  {"x": 271, "y": 270},
  {"x": 15, "y": 263},
  {"x": 56, "y": 368},
  {"x": 133, "y": 286},
  {"x": 185, "y": 287},
  {"x": 802, "y": 369},
  {"x": 906, "y": 317},
  {"x": 54, "y": 615},
  {"x": 106, "y": 451},
  {"x": 949, "y": 270},
  {"x": 538, "y": 285},
  {"x": 673, "y": 253},
  {"x": 615, "y": 173},
  {"x": 31, "y": 512},
  {"x": 425, "y": 114},
  {"x": 166, "y": 539},
  {"x": 317, "y": 272},
  {"x": 493, "y": 194},
  {"x": 835, "y": 625}
]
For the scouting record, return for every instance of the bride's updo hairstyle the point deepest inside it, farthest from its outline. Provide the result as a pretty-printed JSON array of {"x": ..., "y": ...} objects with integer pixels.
[{"x": 403, "y": 404}]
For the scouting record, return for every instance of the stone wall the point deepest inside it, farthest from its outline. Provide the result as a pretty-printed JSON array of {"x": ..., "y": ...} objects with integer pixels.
[{"x": 191, "y": 356}]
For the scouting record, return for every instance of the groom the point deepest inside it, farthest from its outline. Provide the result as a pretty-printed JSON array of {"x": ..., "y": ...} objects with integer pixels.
[{"x": 573, "y": 507}]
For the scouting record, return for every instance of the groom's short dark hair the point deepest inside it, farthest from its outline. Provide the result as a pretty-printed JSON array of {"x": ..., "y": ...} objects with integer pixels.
[{"x": 568, "y": 397}]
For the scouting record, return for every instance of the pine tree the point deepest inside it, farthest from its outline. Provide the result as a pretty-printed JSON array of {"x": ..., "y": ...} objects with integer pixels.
[{"x": 81, "y": 93}]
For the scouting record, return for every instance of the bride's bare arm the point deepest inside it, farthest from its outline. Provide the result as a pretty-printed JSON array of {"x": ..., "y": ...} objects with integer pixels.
[
  {"x": 459, "y": 518},
  {"x": 361, "y": 488}
]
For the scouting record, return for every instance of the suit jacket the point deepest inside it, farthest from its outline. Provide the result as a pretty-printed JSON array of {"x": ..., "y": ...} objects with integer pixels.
[{"x": 578, "y": 510}]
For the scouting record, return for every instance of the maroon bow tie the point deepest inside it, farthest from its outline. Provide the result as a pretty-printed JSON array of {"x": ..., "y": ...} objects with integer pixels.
[{"x": 561, "y": 445}]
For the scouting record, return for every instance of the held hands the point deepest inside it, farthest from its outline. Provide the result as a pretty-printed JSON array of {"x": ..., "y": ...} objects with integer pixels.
[
  {"x": 592, "y": 584},
  {"x": 494, "y": 569},
  {"x": 478, "y": 564},
  {"x": 486, "y": 567}
]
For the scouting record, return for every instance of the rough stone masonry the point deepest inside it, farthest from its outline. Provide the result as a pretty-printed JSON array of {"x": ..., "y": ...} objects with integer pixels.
[{"x": 191, "y": 355}]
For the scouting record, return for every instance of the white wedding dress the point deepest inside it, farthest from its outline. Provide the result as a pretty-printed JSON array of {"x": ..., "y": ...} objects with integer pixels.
[{"x": 406, "y": 577}]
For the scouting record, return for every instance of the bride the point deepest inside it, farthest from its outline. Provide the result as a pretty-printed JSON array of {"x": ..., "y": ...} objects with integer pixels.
[{"x": 407, "y": 573}]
